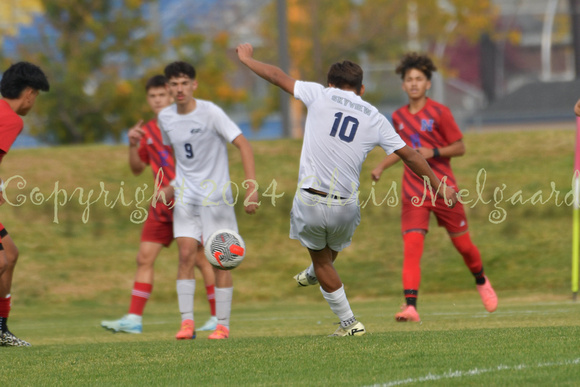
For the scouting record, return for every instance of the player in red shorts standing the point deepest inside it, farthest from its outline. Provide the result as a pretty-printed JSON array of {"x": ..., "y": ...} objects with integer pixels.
[
  {"x": 146, "y": 148},
  {"x": 429, "y": 127},
  {"x": 19, "y": 87}
]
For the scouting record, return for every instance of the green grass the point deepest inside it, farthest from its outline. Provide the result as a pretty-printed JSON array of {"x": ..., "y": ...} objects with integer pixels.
[
  {"x": 76, "y": 267},
  {"x": 530, "y": 341}
]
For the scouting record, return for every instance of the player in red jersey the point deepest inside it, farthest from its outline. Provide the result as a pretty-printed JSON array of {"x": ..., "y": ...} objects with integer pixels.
[
  {"x": 429, "y": 127},
  {"x": 146, "y": 148},
  {"x": 20, "y": 86}
]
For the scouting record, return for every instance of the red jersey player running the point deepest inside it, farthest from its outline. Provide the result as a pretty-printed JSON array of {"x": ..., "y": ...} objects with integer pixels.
[
  {"x": 146, "y": 148},
  {"x": 429, "y": 127},
  {"x": 19, "y": 87}
]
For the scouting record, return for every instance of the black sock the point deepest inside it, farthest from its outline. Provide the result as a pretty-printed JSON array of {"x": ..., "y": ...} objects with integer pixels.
[
  {"x": 411, "y": 297},
  {"x": 3, "y": 324},
  {"x": 479, "y": 277}
]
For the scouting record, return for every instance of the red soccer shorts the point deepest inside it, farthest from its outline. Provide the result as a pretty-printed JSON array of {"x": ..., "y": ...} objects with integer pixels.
[
  {"x": 158, "y": 232},
  {"x": 413, "y": 217}
]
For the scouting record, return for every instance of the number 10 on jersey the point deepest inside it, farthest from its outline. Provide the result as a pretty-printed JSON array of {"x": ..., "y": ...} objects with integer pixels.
[{"x": 349, "y": 122}]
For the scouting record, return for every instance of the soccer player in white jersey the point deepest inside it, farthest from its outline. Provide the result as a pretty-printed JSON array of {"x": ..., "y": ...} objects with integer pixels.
[
  {"x": 199, "y": 131},
  {"x": 341, "y": 129}
]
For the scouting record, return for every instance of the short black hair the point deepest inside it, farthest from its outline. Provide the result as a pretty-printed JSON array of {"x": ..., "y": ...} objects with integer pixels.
[
  {"x": 156, "y": 81},
  {"x": 416, "y": 61},
  {"x": 345, "y": 74},
  {"x": 178, "y": 69},
  {"x": 19, "y": 76}
]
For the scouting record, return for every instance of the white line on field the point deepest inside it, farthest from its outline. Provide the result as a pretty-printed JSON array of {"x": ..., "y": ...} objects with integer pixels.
[{"x": 475, "y": 371}]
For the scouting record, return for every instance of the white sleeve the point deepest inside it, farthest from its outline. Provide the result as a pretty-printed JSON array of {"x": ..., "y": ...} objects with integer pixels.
[
  {"x": 389, "y": 140},
  {"x": 224, "y": 125},
  {"x": 307, "y": 92},
  {"x": 164, "y": 136}
]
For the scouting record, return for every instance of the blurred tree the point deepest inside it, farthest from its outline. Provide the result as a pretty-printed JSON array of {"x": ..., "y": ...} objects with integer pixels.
[
  {"x": 98, "y": 56},
  {"x": 325, "y": 31}
]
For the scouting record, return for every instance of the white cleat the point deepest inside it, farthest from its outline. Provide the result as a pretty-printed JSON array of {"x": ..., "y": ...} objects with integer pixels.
[
  {"x": 354, "y": 329},
  {"x": 125, "y": 324},
  {"x": 210, "y": 325},
  {"x": 304, "y": 279}
]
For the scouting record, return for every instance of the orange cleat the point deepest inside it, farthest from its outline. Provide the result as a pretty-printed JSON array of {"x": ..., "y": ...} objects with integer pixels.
[
  {"x": 187, "y": 331},
  {"x": 488, "y": 296},
  {"x": 409, "y": 313},
  {"x": 221, "y": 332}
]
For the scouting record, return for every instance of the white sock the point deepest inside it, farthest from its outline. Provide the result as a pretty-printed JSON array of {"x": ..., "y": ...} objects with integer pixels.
[
  {"x": 339, "y": 305},
  {"x": 185, "y": 292},
  {"x": 310, "y": 271},
  {"x": 223, "y": 305}
]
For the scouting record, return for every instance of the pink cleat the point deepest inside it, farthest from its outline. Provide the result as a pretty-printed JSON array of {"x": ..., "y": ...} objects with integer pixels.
[
  {"x": 409, "y": 313},
  {"x": 187, "y": 331},
  {"x": 488, "y": 296},
  {"x": 221, "y": 332}
]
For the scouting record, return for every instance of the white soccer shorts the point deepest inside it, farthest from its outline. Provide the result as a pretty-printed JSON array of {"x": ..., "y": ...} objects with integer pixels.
[
  {"x": 317, "y": 221},
  {"x": 199, "y": 222}
]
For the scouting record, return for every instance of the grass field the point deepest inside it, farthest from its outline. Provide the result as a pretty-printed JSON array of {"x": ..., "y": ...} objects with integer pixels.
[
  {"x": 77, "y": 263},
  {"x": 528, "y": 341}
]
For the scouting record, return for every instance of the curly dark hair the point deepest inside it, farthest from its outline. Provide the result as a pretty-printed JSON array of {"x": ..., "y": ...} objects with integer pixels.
[
  {"x": 413, "y": 60},
  {"x": 156, "y": 81}
]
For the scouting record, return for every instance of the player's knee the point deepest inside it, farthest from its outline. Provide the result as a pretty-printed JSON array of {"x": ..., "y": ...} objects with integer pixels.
[{"x": 12, "y": 256}]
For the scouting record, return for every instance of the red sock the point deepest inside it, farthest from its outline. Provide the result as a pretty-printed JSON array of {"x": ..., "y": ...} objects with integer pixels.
[
  {"x": 470, "y": 253},
  {"x": 210, "y": 290},
  {"x": 139, "y": 296},
  {"x": 413, "y": 250},
  {"x": 5, "y": 307}
]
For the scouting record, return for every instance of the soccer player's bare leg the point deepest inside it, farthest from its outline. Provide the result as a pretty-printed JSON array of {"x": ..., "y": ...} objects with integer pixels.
[
  {"x": 472, "y": 259},
  {"x": 332, "y": 290},
  {"x": 414, "y": 241},
  {"x": 9, "y": 257},
  {"x": 188, "y": 248}
]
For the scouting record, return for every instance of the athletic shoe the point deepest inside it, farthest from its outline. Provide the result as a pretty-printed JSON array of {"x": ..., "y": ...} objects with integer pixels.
[
  {"x": 187, "y": 331},
  {"x": 409, "y": 313},
  {"x": 221, "y": 332},
  {"x": 210, "y": 325},
  {"x": 354, "y": 329},
  {"x": 488, "y": 296},
  {"x": 126, "y": 324},
  {"x": 7, "y": 339},
  {"x": 304, "y": 279}
]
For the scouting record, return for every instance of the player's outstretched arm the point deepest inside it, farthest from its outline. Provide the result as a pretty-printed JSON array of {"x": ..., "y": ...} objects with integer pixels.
[
  {"x": 387, "y": 162},
  {"x": 247, "y": 153},
  {"x": 272, "y": 74},
  {"x": 418, "y": 165},
  {"x": 577, "y": 108}
]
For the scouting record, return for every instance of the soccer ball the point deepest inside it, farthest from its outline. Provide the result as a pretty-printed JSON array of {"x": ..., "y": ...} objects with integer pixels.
[{"x": 225, "y": 249}]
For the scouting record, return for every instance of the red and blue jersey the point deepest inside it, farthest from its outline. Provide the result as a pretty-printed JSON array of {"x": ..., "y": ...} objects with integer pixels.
[
  {"x": 431, "y": 127},
  {"x": 10, "y": 127},
  {"x": 159, "y": 157}
]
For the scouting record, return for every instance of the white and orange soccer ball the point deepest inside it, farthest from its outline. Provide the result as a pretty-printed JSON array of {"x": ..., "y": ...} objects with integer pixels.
[{"x": 225, "y": 249}]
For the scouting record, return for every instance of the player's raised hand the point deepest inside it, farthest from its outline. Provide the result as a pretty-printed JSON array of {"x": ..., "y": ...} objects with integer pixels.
[
  {"x": 136, "y": 133},
  {"x": 244, "y": 50}
]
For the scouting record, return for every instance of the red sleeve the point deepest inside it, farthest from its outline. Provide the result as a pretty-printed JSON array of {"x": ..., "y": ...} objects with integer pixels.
[
  {"x": 449, "y": 128},
  {"x": 9, "y": 130},
  {"x": 143, "y": 152}
]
